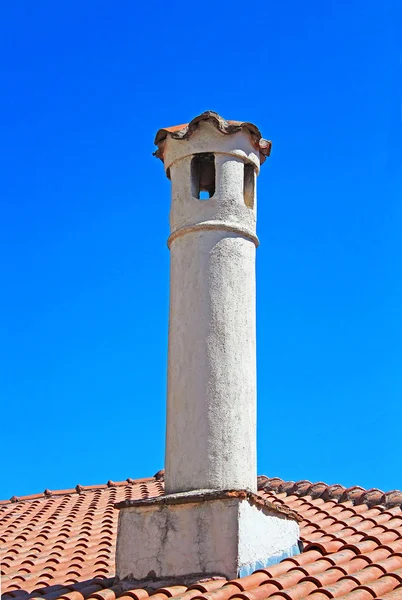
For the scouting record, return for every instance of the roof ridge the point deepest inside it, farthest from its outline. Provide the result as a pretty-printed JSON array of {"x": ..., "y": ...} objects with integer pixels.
[
  {"x": 372, "y": 497},
  {"x": 78, "y": 489}
]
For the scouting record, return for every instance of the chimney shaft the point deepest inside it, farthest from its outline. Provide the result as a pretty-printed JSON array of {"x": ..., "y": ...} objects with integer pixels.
[{"x": 211, "y": 400}]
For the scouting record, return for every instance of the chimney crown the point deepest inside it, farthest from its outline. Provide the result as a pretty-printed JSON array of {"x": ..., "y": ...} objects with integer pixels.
[{"x": 185, "y": 131}]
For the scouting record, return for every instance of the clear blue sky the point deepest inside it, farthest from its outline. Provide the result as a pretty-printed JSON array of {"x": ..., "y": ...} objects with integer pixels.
[{"x": 84, "y": 223}]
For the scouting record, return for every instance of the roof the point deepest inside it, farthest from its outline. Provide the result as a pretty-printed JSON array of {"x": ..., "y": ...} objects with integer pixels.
[
  {"x": 62, "y": 545},
  {"x": 186, "y": 130}
]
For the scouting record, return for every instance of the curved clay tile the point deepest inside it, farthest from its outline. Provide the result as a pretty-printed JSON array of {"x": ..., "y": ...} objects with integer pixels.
[{"x": 183, "y": 132}]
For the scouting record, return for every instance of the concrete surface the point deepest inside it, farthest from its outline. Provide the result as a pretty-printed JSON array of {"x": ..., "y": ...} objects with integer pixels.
[{"x": 175, "y": 542}]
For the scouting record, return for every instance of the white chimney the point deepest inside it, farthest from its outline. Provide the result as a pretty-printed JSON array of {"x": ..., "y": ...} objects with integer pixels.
[
  {"x": 211, "y": 403},
  {"x": 210, "y": 522}
]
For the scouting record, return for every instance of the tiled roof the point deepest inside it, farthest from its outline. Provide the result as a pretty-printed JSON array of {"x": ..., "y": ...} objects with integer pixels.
[
  {"x": 185, "y": 131},
  {"x": 62, "y": 544}
]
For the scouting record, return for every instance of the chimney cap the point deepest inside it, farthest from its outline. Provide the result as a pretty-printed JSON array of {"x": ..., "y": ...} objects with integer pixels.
[{"x": 184, "y": 131}]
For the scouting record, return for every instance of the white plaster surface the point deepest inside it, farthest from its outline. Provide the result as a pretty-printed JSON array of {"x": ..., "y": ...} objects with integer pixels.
[
  {"x": 211, "y": 404},
  {"x": 218, "y": 537},
  {"x": 208, "y": 138},
  {"x": 225, "y": 207},
  {"x": 263, "y": 534},
  {"x": 175, "y": 541}
]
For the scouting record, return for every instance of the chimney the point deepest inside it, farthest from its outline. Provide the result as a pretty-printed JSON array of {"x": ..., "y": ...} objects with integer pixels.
[{"x": 211, "y": 522}]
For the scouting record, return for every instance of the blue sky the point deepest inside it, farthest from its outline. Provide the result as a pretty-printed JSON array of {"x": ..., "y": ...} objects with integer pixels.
[{"x": 84, "y": 303}]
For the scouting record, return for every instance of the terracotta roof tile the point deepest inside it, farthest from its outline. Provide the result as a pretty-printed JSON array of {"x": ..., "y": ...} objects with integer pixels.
[
  {"x": 61, "y": 544},
  {"x": 186, "y": 130}
]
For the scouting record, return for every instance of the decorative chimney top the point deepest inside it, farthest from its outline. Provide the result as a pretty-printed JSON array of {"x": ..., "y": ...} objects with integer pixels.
[
  {"x": 183, "y": 132},
  {"x": 210, "y": 522}
]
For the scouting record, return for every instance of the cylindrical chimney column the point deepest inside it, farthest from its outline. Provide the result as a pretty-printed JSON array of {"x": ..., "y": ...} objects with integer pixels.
[{"x": 211, "y": 396}]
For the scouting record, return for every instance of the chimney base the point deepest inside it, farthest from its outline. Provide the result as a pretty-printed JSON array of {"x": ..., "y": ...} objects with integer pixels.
[{"x": 185, "y": 537}]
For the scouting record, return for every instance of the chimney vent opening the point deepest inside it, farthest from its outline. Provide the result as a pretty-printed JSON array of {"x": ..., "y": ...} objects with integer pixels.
[
  {"x": 249, "y": 185},
  {"x": 203, "y": 175}
]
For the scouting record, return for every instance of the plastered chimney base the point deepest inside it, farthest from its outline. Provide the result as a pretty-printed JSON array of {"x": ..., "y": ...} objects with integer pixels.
[{"x": 181, "y": 538}]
